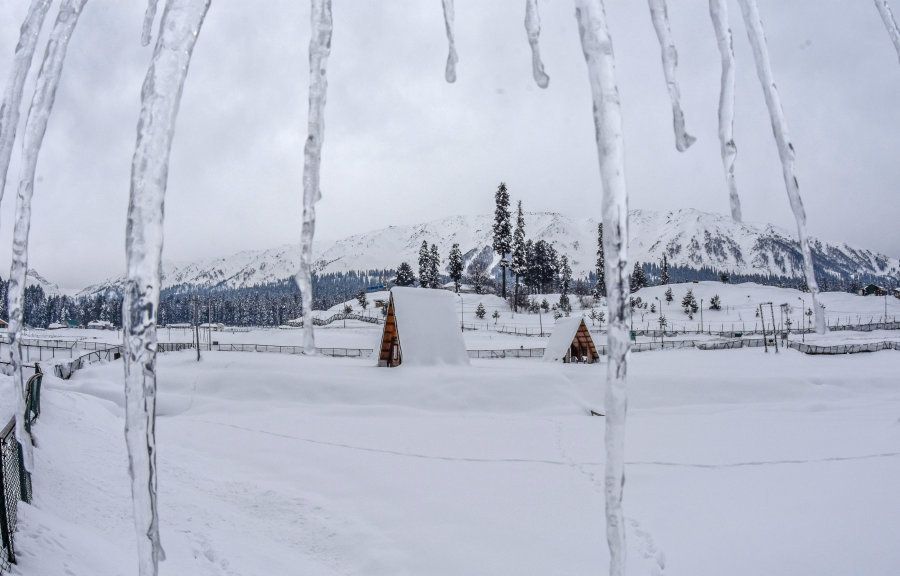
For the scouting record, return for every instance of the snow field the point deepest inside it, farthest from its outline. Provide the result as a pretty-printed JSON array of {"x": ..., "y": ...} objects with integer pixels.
[{"x": 738, "y": 463}]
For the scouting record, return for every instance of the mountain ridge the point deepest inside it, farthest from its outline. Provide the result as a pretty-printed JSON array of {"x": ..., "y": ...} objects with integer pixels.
[{"x": 689, "y": 238}]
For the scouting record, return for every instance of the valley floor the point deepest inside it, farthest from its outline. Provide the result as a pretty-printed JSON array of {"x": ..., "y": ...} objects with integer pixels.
[{"x": 739, "y": 463}]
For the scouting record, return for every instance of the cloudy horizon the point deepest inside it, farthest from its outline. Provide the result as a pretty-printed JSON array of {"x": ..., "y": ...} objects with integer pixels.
[{"x": 402, "y": 146}]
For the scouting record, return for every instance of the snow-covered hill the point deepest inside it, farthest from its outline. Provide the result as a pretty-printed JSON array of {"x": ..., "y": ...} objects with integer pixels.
[{"x": 688, "y": 237}]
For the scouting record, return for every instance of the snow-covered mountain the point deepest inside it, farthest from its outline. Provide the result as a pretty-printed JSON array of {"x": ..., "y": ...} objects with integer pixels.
[
  {"x": 34, "y": 278},
  {"x": 688, "y": 237}
]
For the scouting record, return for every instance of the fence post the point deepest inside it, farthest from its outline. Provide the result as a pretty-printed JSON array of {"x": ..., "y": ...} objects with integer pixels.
[
  {"x": 24, "y": 480},
  {"x": 4, "y": 522}
]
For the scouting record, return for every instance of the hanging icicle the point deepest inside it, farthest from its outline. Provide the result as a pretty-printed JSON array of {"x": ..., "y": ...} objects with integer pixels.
[
  {"x": 660, "y": 16},
  {"x": 149, "y": 17},
  {"x": 533, "y": 29},
  {"x": 319, "y": 49},
  {"x": 452, "y": 59},
  {"x": 33, "y": 137},
  {"x": 890, "y": 23},
  {"x": 598, "y": 54},
  {"x": 12, "y": 98},
  {"x": 757, "y": 37},
  {"x": 718, "y": 11},
  {"x": 160, "y": 97}
]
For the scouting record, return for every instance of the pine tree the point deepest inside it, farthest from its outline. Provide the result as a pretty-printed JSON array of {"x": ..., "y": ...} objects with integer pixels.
[
  {"x": 434, "y": 267},
  {"x": 638, "y": 279},
  {"x": 424, "y": 265},
  {"x": 502, "y": 229},
  {"x": 564, "y": 303},
  {"x": 664, "y": 270},
  {"x": 715, "y": 303},
  {"x": 361, "y": 298},
  {"x": 600, "y": 287},
  {"x": 480, "y": 311},
  {"x": 724, "y": 277},
  {"x": 405, "y": 275},
  {"x": 455, "y": 266},
  {"x": 519, "y": 253},
  {"x": 669, "y": 296},
  {"x": 689, "y": 304}
]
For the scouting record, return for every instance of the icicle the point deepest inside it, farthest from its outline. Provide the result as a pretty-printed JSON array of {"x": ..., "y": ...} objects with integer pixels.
[
  {"x": 533, "y": 29},
  {"x": 757, "y": 37},
  {"x": 885, "y": 10},
  {"x": 319, "y": 50},
  {"x": 452, "y": 59},
  {"x": 660, "y": 16},
  {"x": 149, "y": 17},
  {"x": 12, "y": 98},
  {"x": 598, "y": 54},
  {"x": 718, "y": 11},
  {"x": 160, "y": 97},
  {"x": 35, "y": 128}
]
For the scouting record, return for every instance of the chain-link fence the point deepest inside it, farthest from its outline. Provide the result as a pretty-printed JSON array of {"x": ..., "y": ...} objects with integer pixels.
[
  {"x": 507, "y": 353},
  {"x": 844, "y": 348},
  {"x": 15, "y": 485}
]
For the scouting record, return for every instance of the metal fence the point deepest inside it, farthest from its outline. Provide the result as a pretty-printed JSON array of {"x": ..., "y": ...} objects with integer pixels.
[
  {"x": 844, "y": 348},
  {"x": 65, "y": 370},
  {"x": 15, "y": 485},
  {"x": 507, "y": 353},
  {"x": 277, "y": 349}
]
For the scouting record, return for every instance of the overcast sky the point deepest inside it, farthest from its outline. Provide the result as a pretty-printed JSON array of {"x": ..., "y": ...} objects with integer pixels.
[{"x": 403, "y": 146}]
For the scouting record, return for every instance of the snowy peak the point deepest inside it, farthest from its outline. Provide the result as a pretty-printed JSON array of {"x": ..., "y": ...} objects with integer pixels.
[
  {"x": 689, "y": 238},
  {"x": 34, "y": 278}
]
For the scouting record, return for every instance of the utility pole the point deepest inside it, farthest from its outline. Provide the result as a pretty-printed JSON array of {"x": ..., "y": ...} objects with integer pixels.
[
  {"x": 763, "y": 318},
  {"x": 209, "y": 323},
  {"x": 701, "y": 315},
  {"x": 196, "y": 334}
]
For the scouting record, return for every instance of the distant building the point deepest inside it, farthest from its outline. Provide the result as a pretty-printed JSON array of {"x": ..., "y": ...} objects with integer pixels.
[
  {"x": 463, "y": 288},
  {"x": 873, "y": 290},
  {"x": 896, "y": 292},
  {"x": 101, "y": 325}
]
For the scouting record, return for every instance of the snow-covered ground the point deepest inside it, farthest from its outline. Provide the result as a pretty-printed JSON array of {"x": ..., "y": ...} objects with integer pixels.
[{"x": 739, "y": 463}]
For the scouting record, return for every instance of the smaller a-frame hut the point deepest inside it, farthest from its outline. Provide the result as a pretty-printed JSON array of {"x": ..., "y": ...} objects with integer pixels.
[
  {"x": 421, "y": 329},
  {"x": 571, "y": 342}
]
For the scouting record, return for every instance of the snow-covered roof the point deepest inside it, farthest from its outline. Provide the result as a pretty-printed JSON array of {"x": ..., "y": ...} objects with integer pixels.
[
  {"x": 428, "y": 327},
  {"x": 561, "y": 339}
]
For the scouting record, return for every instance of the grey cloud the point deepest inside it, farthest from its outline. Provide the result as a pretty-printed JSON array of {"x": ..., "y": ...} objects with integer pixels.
[{"x": 403, "y": 146}]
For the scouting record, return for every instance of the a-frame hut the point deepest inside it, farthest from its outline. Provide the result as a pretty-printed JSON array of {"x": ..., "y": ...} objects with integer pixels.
[
  {"x": 421, "y": 329},
  {"x": 571, "y": 342}
]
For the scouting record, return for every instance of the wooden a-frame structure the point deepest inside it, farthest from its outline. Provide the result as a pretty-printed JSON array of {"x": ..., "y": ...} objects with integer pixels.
[{"x": 571, "y": 341}]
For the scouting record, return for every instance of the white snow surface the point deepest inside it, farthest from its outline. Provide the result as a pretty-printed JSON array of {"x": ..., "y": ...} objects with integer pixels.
[
  {"x": 272, "y": 464},
  {"x": 428, "y": 327}
]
